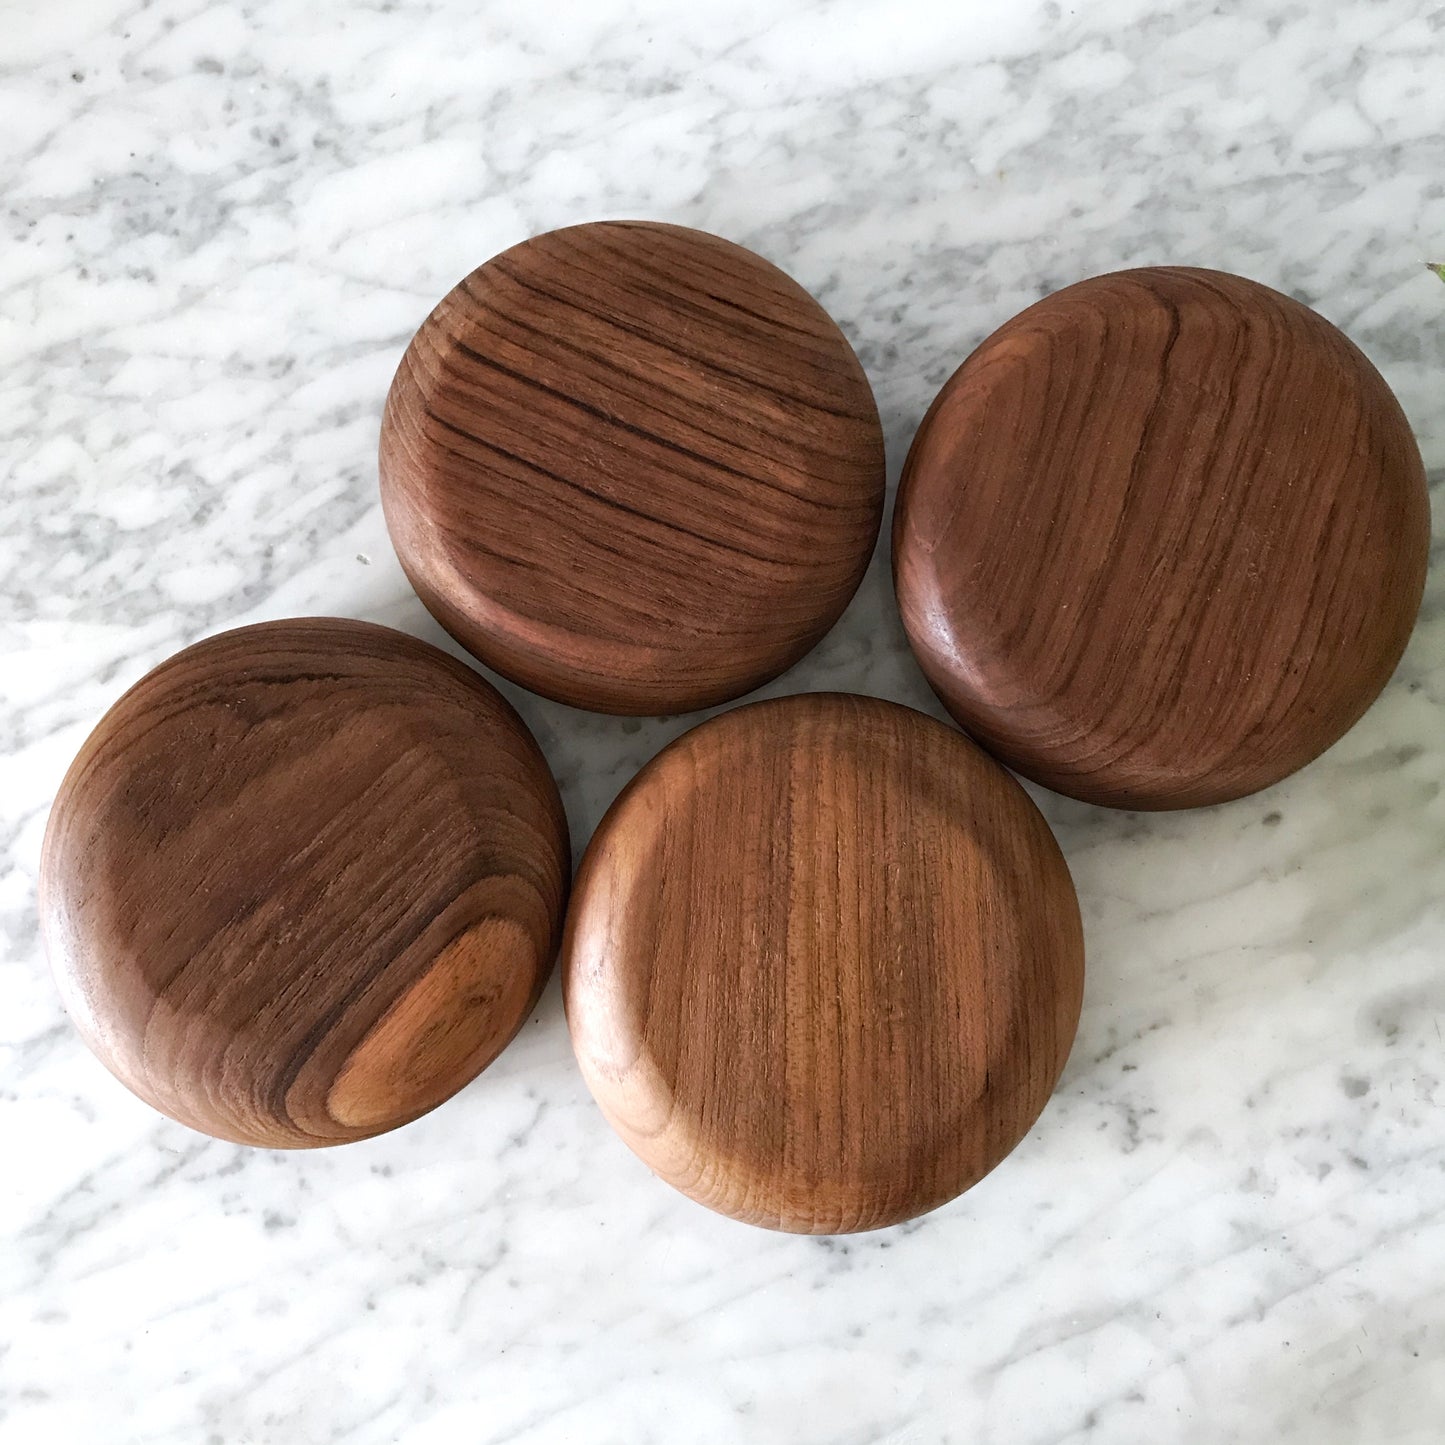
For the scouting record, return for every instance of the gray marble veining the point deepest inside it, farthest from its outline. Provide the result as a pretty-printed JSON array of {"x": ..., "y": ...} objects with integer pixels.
[{"x": 220, "y": 224}]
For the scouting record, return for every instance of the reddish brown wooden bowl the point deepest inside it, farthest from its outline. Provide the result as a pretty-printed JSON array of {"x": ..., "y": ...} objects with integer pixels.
[
  {"x": 823, "y": 963},
  {"x": 303, "y": 882},
  {"x": 1161, "y": 539},
  {"x": 633, "y": 467}
]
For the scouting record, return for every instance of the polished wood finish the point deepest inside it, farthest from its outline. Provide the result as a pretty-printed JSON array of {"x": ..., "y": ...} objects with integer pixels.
[
  {"x": 823, "y": 963},
  {"x": 1161, "y": 539},
  {"x": 304, "y": 881},
  {"x": 633, "y": 467}
]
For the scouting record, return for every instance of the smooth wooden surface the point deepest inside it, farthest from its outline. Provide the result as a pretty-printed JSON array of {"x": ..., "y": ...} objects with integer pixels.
[
  {"x": 1161, "y": 539},
  {"x": 823, "y": 963},
  {"x": 304, "y": 881},
  {"x": 633, "y": 467}
]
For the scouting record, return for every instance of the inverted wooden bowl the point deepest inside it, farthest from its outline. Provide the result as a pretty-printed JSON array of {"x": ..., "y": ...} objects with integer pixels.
[
  {"x": 633, "y": 467},
  {"x": 303, "y": 882},
  {"x": 823, "y": 963},
  {"x": 1161, "y": 539}
]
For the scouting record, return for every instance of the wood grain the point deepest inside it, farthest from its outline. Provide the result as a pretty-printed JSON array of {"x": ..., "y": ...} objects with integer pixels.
[
  {"x": 823, "y": 963},
  {"x": 303, "y": 882},
  {"x": 1161, "y": 539},
  {"x": 633, "y": 467}
]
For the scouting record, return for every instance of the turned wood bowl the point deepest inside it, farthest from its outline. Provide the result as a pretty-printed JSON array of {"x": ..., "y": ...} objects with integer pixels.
[
  {"x": 1161, "y": 539},
  {"x": 823, "y": 963},
  {"x": 303, "y": 882},
  {"x": 633, "y": 467}
]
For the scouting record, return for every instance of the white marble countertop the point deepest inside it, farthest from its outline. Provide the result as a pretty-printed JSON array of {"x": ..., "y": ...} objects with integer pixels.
[{"x": 220, "y": 224}]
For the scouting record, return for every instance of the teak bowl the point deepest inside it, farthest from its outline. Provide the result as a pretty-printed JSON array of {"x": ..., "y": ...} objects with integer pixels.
[
  {"x": 303, "y": 882},
  {"x": 1161, "y": 539},
  {"x": 823, "y": 963},
  {"x": 632, "y": 467}
]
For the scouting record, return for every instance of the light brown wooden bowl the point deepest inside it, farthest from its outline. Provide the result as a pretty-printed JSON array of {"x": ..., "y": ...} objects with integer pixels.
[{"x": 823, "y": 963}]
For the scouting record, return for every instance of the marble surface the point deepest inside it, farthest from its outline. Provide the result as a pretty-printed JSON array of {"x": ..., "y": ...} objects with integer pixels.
[{"x": 218, "y": 226}]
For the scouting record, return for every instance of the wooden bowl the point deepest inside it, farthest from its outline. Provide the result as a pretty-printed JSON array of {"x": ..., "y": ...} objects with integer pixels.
[
  {"x": 632, "y": 467},
  {"x": 823, "y": 963},
  {"x": 1161, "y": 539},
  {"x": 303, "y": 882}
]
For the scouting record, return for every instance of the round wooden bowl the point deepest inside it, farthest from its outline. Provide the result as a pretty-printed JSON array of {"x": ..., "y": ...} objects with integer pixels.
[
  {"x": 1161, "y": 539},
  {"x": 303, "y": 882},
  {"x": 632, "y": 467},
  {"x": 823, "y": 963}
]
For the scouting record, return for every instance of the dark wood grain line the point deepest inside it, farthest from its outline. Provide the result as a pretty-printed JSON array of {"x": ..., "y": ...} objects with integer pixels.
[
  {"x": 611, "y": 419},
  {"x": 613, "y": 503},
  {"x": 708, "y": 363},
  {"x": 701, "y": 287},
  {"x": 469, "y": 540},
  {"x": 615, "y": 365}
]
